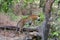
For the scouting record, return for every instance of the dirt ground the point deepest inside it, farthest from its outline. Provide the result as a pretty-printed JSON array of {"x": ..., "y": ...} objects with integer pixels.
[
  {"x": 8, "y": 34},
  {"x": 5, "y": 21}
]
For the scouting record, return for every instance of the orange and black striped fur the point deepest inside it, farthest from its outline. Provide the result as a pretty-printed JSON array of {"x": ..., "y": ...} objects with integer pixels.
[{"x": 30, "y": 19}]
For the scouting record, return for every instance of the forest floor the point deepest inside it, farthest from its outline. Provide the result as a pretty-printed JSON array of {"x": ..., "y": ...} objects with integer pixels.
[{"x": 8, "y": 34}]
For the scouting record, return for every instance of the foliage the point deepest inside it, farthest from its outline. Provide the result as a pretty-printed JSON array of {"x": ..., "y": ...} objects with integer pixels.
[
  {"x": 55, "y": 28},
  {"x": 56, "y": 1},
  {"x": 23, "y": 17},
  {"x": 42, "y": 2},
  {"x": 28, "y": 1},
  {"x": 5, "y": 5}
]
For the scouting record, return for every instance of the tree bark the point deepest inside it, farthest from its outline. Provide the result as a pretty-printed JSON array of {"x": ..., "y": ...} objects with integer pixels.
[{"x": 47, "y": 12}]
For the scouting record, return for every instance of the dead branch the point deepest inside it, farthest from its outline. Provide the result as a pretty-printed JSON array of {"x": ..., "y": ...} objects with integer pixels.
[
  {"x": 8, "y": 27},
  {"x": 30, "y": 29}
]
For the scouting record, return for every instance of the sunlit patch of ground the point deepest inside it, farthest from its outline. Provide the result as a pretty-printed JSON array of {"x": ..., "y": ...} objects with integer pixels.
[{"x": 5, "y": 21}]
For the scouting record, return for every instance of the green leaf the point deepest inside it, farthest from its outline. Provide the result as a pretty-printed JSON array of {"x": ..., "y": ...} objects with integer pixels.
[{"x": 55, "y": 33}]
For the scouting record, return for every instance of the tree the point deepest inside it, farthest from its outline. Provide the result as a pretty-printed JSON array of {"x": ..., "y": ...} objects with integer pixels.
[{"x": 47, "y": 12}]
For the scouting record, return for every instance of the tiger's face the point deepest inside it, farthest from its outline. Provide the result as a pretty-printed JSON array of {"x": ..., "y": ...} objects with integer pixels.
[{"x": 38, "y": 18}]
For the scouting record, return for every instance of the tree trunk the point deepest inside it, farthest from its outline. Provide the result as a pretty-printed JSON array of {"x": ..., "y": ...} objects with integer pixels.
[{"x": 47, "y": 10}]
